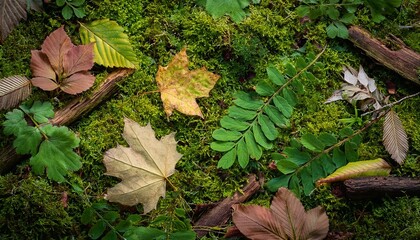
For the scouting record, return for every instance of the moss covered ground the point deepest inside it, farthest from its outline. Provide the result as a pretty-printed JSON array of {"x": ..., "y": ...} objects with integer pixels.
[{"x": 31, "y": 207}]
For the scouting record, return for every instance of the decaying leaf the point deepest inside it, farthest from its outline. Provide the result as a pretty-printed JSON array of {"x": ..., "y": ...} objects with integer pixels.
[
  {"x": 60, "y": 64},
  {"x": 394, "y": 137},
  {"x": 286, "y": 219},
  {"x": 13, "y": 90},
  {"x": 11, "y": 12},
  {"x": 179, "y": 87},
  {"x": 359, "y": 88},
  {"x": 368, "y": 168},
  {"x": 143, "y": 167}
]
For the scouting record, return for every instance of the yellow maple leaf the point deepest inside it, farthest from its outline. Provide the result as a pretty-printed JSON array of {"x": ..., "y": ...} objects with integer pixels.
[
  {"x": 179, "y": 87},
  {"x": 144, "y": 167}
]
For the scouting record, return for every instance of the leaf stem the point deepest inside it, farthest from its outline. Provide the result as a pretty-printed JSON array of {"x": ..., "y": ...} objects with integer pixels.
[
  {"x": 36, "y": 125},
  {"x": 391, "y": 104},
  {"x": 172, "y": 185}
]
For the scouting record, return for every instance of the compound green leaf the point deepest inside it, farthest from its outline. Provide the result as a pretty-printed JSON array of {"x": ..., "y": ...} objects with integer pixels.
[
  {"x": 233, "y": 124},
  {"x": 247, "y": 102},
  {"x": 98, "y": 229},
  {"x": 41, "y": 111},
  {"x": 283, "y": 105},
  {"x": 228, "y": 159},
  {"x": 111, "y": 235},
  {"x": 274, "y": 184},
  {"x": 233, "y": 8},
  {"x": 345, "y": 132},
  {"x": 112, "y": 47},
  {"x": 377, "y": 167},
  {"x": 327, "y": 139},
  {"x": 14, "y": 122},
  {"x": 60, "y": 144},
  {"x": 242, "y": 152},
  {"x": 297, "y": 156},
  {"x": 88, "y": 216},
  {"x": 307, "y": 183},
  {"x": 290, "y": 69},
  {"x": 290, "y": 96},
  {"x": 327, "y": 164},
  {"x": 27, "y": 140},
  {"x": 317, "y": 170},
  {"x": 312, "y": 143},
  {"x": 294, "y": 185},
  {"x": 268, "y": 128},
  {"x": 350, "y": 149},
  {"x": 286, "y": 166},
  {"x": 275, "y": 76},
  {"x": 222, "y": 146},
  {"x": 264, "y": 88},
  {"x": 241, "y": 114},
  {"x": 260, "y": 138},
  {"x": 226, "y": 135},
  {"x": 339, "y": 158},
  {"x": 276, "y": 116},
  {"x": 254, "y": 149}
]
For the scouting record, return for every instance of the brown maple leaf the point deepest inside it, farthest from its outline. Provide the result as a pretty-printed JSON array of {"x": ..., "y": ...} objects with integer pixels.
[
  {"x": 179, "y": 87},
  {"x": 285, "y": 219}
]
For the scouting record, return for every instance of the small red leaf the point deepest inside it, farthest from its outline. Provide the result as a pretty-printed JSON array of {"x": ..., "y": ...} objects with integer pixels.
[
  {"x": 78, "y": 58},
  {"x": 44, "y": 83},
  {"x": 55, "y": 46},
  {"x": 78, "y": 82},
  {"x": 40, "y": 65}
]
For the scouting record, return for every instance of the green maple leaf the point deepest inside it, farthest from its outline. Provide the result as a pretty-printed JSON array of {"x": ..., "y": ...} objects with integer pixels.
[
  {"x": 56, "y": 153},
  {"x": 233, "y": 8},
  {"x": 40, "y": 111}
]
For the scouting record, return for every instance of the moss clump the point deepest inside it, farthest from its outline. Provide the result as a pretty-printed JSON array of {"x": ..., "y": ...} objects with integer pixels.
[{"x": 30, "y": 208}]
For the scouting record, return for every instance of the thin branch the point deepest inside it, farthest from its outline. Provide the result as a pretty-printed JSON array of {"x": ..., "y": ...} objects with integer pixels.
[{"x": 391, "y": 104}]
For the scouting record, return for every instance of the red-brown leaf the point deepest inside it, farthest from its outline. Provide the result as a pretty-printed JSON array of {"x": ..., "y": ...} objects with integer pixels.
[
  {"x": 316, "y": 224},
  {"x": 41, "y": 66},
  {"x": 55, "y": 46},
  {"x": 78, "y": 82},
  {"x": 257, "y": 223},
  {"x": 44, "y": 83},
  {"x": 78, "y": 58}
]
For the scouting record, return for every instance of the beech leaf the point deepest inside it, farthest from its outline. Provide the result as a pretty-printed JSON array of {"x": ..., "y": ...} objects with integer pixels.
[
  {"x": 285, "y": 219},
  {"x": 179, "y": 87},
  {"x": 13, "y": 90},
  {"x": 394, "y": 137},
  {"x": 143, "y": 167},
  {"x": 368, "y": 168}
]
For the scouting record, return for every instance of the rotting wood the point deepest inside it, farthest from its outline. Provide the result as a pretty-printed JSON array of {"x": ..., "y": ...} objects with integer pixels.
[
  {"x": 221, "y": 213},
  {"x": 69, "y": 113},
  {"x": 404, "y": 61},
  {"x": 377, "y": 187}
]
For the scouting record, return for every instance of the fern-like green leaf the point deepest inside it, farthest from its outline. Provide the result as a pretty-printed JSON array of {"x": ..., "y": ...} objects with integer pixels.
[
  {"x": 112, "y": 47},
  {"x": 312, "y": 143}
]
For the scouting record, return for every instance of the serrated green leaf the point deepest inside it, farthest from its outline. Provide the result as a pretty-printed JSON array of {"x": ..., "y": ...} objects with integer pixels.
[
  {"x": 112, "y": 47},
  {"x": 225, "y": 135},
  {"x": 97, "y": 230},
  {"x": 274, "y": 184},
  {"x": 134, "y": 218},
  {"x": 242, "y": 152},
  {"x": 296, "y": 156},
  {"x": 264, "y": 88},
  {"x": 377, "y": 167},
  {"x": 88, "y": 216},
  {"x": 260, "y": 138},
  {"x": 290, "y": 96},
  {"x": 268, "y": 128},
  {"x": 275, "y": 76},
  {"x": 111, "y": 216},
  {"x": 79, "y": 12},
  {"x": 348, "y": 18},
  {"x": 312, "y": 143},
  {"x": 123, "y": 226},
  {"x": 232, "y": 8},
  {"x": 67, "y": 12},
  {"x": 233, "y": 124},
  {"x": 342, "y": 31},
  {"x": 77, "y": 3},
  {"x": 60, "y": 144},
  {"x": 228, "y": 159},
  {"x": 14, "y": 122},
  {"x": 222, "y": 146},
  {"x": 350, "y": 149},
  {"x": 333, "y": 13},
  {"x": 41, "y": 111},
  {"x": 240, "y": 113},
  {"x": 332, "y": 31},
  {"x": 60, "y": 3},
  {"x": 27, "y": 140},
  {"x": 302, "y": 11},
  {"x": 274, "y": 114},
  {"x": 339, "y": 158},
  {"x": 254, "y": 150},
  {"x": 283, "y": 105},
  {"x": 327, "y": 139},
  {"x": 307, "y": 183}
]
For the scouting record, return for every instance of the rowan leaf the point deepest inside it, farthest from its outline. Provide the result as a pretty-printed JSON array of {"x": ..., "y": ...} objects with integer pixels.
[
  {"x": 13, "y": 90},
  {"x": 179, "y": 87},
  {"x": 377, "y": 167},
  {"x": 394, "y": 137},
  {"x": 111, "y": 45},
  {"x": 285, "y": 219},
  {"x": 11, "y": 12},
  {"x": 144, "y": 167}
]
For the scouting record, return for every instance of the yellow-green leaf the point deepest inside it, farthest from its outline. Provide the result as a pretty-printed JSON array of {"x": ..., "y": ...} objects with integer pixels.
[
  {"x": 112, "y": 47},
  {"x": 368, "y": 168}
]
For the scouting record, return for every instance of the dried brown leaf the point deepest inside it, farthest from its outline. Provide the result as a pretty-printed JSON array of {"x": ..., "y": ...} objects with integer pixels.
[
  {"x": 77, "y": 82},
  {"x": 13, "y": 90},
  {"x": 78, "y": 58},
  {"x": 11, "y": 12},
  {"x": 394, "y": 137},
  {"x": 55, "y": 46}
]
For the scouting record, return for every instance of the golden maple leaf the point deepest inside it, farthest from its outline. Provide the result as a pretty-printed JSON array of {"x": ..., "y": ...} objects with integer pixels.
[
  {"x": 179, "y": 87},
  {"x": 144, "y": 167}
]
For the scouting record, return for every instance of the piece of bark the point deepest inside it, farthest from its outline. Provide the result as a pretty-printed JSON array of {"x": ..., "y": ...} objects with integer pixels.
[
  {"x": 221, "y": 213},
  {"x": 377, "y": 187},
  {"x": 404, "y": 61},
  {"x": 69, "y": 113}
]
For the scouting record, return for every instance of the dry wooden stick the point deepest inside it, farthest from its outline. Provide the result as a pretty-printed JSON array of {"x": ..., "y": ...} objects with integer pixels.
[
  {"x": 404, "y": 61},
  {"x": 73, "y": 110}
]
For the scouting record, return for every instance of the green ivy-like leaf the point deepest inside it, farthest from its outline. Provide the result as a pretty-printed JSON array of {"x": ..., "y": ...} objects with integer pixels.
[{"x": 112, "y": 47}]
